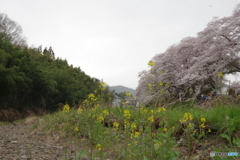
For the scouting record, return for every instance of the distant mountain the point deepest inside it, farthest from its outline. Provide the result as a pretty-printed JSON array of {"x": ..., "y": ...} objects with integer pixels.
[{"x": 119, "y": 89}]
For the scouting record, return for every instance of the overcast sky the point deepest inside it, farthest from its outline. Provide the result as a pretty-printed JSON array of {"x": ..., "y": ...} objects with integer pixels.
[{"x": 112, "y": 40}]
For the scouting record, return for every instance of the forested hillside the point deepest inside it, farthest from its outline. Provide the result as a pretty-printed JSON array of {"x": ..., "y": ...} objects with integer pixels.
[
  {"x": 121, "y": 89},
  {"x": 33, "y": 78}
]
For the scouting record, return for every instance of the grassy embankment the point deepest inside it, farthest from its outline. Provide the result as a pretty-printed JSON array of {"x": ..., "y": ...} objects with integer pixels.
[{"x": 149, "y": 133}]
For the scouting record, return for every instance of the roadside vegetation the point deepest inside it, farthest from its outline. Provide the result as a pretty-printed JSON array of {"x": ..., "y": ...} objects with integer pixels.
[
  {"x": 179, "y": 115},
  {"x": 148, "y": 133}
]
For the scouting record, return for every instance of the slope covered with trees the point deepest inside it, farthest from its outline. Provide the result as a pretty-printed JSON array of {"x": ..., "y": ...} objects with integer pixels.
[
  {"x": 196, "y": 64},
  {"x": 33, "y": 78}
]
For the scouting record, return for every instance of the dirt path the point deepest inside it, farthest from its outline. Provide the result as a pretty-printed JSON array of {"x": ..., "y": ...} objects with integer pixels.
[{"x": 19, "y": 142}]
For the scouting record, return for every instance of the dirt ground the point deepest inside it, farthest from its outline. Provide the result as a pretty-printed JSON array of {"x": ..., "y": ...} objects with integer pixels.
[{"x": 19, "y": 142}]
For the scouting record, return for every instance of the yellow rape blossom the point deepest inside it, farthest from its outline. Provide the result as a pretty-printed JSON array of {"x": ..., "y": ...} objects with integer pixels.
[
  {"x": 203, "y": 120},
  {"x": 152, "y": 111},
  {"x": 149, "y": 85},
  {"x": 80, "y": 111},
  {"x": 161, "y": 109},
  {"x": 135, "y": 134},
  {"x": 116, "y": 125},
  {"x": 151, "y": 63},
  {"x": 127, "y": 113},
  {"x": 103, "y": 85},
  {"x": 76, "y": 129},
  {"x": 98, "y": 146},
  {"x": 202, "y": 125},
  {"x": 186, "y": 117},
  {"x": 143, "y": 110},
  {"x": 128, "y": 94},
  {"x": 151, "y": 119},
  {"x": 105, "y": 112},
  {"x": 100, "y": 118},
  {"x": 66, "y": 108},
  {"x": 220, "y": 74},
  {"x": 96, "y": 105},
  {"x": 91, "y": 96},
  {"x": 157, "y": 145},
  {"x": 160, "y": 83},
  {"x": 134, "y": 125},
  {"x": 160, "y": 72},
  {"x": 167, "y": 84}
]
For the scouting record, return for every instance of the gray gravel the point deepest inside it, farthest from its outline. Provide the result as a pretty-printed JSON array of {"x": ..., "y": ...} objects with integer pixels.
[{"x": 19, "y": 142}]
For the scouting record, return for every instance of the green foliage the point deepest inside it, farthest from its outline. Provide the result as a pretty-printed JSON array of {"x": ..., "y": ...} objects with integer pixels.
[
  {"x": 32, "y": 78},
  {"x": 121, "y": 95},
  {"x": 147, "y": 133}
]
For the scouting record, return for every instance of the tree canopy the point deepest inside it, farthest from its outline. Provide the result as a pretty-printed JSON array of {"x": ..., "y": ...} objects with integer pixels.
[
  {"x": 195, "y": 64},
  {"x": 11, "y": 30},
  {"x": 34, "y": 78}
]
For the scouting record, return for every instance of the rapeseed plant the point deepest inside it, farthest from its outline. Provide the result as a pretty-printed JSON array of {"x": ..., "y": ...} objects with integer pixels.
[
  {"x": 76, "y": 129},
  {"x": 152, "y": 111},
  {"x": 127, "y": 94},
  {"x": 160, "y": 83},
  {"x": 126, "y": 124},
  {"x": 151, "y": 119},
  {"x": 66, "y": 108},
  {"x": 151, "y": 63},
  {"x": 135, "y": 134},
  {"x": 105, "y": 112},
  {"x": 167, "y": 84},
  {"x": 203, "y": 120},
  {"x": 100, "y": 118},
  {"x": 160, "y": 109},
  {"x": 157, "y": 145},
  {"x": 165, "y": 129},
  {"x": 116, "y": 125},
  {"x": 91, "y": 96},
  {"x": 150, "y": 86},
  {"x": 133, "y": 125},
  {"x": 98, "y": 146},
  {"x": 126, "y": 113},
  {"x": 160, "y": 72},
  {"x": 143, "y": 110},
  {"x": 80, "y": 111},
  {"x": 103, "y": 86},
  {"x": 220, "y": 74},
  {"x": 186, "y": 117}
]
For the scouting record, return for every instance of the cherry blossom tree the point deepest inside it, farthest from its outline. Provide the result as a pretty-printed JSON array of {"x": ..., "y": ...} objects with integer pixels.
[{"x": 196, "y": 64}]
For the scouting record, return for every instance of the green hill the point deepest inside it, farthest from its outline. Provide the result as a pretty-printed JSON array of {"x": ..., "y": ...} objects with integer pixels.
[{"x": 119, "y": 89}]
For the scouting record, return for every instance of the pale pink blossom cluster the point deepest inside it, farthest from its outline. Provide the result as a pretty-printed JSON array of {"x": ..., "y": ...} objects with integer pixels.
[{"x": 193, "y": 65}]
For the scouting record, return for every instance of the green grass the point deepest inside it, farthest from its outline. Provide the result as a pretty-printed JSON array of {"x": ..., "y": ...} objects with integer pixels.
[
  {"x": 148, "y": 133},
  {"x": 4, "y": 123}
]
